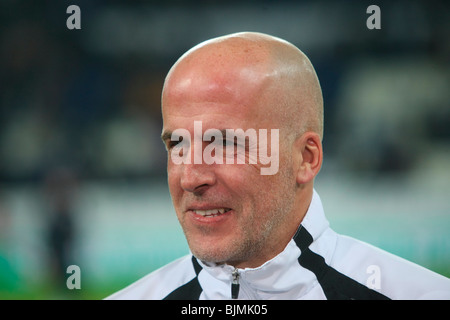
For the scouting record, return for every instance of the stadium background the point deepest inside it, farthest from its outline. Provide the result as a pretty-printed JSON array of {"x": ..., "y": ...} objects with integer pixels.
[{"x": 82, "y": 170}]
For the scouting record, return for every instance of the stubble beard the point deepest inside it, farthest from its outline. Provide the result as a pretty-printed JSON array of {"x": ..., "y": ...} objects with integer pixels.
[{"x": 252, "y": 243}]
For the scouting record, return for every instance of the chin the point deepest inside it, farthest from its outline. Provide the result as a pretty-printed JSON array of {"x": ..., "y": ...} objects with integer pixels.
[
  {"x": 212, "y": 253},
  {"x": 211, "y": 256},
  {"x": 220, "y": 254}
]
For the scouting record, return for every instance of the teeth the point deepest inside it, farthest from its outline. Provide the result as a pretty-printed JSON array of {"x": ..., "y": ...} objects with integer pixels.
[{"x": 212, "y": 212}]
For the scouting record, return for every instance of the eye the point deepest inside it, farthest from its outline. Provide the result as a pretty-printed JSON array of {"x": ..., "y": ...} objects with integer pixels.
[
  {"x": 230, "y": 142},
  {"x": 174, "y": 143}
]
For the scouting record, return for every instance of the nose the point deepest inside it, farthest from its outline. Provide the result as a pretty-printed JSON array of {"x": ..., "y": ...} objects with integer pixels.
[{"x": 197, "y": 178}]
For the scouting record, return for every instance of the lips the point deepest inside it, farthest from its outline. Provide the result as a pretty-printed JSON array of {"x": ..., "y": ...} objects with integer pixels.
[{"x": 209, "y": 213}]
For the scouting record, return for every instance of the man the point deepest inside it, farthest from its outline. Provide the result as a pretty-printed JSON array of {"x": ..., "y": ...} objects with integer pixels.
[{"x": 254, "y": 235}]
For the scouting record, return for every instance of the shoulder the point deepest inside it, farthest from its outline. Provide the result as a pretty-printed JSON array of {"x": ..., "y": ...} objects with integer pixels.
[
  {"x": 159, "y": 283},
  {"x": 391, "y": 275}
]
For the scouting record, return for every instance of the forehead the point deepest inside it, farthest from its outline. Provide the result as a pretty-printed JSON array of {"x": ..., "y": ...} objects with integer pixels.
[{"x": 218, "y": 83}]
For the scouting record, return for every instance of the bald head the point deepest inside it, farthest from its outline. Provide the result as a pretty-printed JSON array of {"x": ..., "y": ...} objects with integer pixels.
[
  {"x": 245, "y": 66},
  {"x": 260, "y": 84}
]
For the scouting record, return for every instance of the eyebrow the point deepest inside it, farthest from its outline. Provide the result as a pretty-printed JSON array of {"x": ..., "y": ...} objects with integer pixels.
[{"x": 166, "y": 135}]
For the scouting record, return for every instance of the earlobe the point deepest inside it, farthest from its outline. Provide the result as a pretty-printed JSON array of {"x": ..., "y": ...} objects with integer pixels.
[{"x": 308, "y": 157}]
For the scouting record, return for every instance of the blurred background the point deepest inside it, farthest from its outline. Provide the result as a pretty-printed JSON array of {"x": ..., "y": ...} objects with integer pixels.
[{"x": 82, "y": 168}]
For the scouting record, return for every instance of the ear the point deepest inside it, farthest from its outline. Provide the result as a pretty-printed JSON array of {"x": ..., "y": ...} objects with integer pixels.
[{"x": 308, "y": 155}]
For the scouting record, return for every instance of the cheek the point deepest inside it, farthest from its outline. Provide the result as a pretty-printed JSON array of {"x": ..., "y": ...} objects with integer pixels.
[
  {"x": 173, "y": 181},
  {"x": 238, "y": 178},
  {"x": 274, "y": 192},
  {"x": 250, "y": 190}
]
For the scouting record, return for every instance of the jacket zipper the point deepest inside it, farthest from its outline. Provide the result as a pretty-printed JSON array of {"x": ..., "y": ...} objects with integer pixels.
[{"x": 235, "y": 284}]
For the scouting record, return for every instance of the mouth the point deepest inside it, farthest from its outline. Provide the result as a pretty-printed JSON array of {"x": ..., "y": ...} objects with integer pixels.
[{"x": 211, "y": 213}]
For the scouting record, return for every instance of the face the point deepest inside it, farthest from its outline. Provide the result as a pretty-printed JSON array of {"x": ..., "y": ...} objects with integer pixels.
[{"x": 229, "y": 212}]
